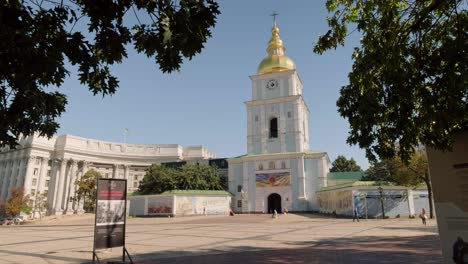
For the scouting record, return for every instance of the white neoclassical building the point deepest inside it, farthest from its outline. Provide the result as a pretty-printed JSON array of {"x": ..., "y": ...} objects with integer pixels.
[
  {"x": 52, "y": 165},
  {"x": 279, "y": 171}
]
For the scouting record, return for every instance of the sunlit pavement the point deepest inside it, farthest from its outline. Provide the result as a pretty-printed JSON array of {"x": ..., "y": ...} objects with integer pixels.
[{"x": 223, "y": 239}]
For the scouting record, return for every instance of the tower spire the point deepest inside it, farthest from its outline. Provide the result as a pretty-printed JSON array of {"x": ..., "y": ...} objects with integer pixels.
[
  {"x": 275, "y": 45},
  {"x": 276, "y": 60}
]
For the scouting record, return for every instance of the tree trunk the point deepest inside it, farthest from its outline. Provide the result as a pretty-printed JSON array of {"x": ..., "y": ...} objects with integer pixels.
[{"x": 429, "y": 194}]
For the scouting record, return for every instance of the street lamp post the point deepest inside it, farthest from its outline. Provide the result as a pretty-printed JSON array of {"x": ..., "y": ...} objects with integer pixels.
[{"x": 381, "y": 201}]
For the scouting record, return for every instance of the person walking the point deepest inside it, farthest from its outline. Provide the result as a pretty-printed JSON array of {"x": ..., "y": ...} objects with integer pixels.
[
  {"x": 423, "y": 216},
  {"x": 355, "y": 214}
]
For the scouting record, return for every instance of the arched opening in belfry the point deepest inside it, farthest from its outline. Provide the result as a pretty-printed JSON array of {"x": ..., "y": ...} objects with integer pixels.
[{"x": 274, "y": 127}]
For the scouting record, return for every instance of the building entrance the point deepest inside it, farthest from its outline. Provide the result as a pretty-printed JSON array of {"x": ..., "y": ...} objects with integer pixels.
[{"x": 274, "y": 203}]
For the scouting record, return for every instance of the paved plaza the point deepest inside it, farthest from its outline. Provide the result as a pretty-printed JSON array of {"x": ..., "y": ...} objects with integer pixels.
[{"x": 241, "y": 239}]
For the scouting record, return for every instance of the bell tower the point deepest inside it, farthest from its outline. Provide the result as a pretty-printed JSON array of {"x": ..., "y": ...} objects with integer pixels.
[{"x": 277, "y": 115}]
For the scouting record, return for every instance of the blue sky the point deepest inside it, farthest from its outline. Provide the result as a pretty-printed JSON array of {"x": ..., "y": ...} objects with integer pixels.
[{"x": 203, "y": 103}]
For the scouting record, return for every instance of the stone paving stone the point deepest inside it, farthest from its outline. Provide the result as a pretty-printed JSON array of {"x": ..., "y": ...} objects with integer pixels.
[{"x": 241, "y": 239}]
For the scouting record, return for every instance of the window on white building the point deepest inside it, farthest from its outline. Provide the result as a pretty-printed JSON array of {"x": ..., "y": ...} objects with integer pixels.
[
  {"x": 289, "y": 114},
  {"x": 34, "y": 182},
  {"x": 239, "y": 188},
  {"x": 36, "y": 171},
  {"x": 271, "y": 165},
  {"x": 38, "y": 161},
  {"x": 256, "y": 118},
  {"x": 48, "y": 173},
  {"x": 260, "y": 166},
  {"x": 135, "y": 184},
  {"x": 239, "y": 203},
  {"x": 33, "y": 192},
  {"x": 47, "y": 183},
  {"x": 283, "y": 164}
]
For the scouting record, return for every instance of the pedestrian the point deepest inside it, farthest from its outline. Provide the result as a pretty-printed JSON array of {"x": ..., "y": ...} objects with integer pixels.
[
  {"x": 423, "y": 216},
  {"x": 275, "y": 214},
  {"x": 355, "y": 215}
]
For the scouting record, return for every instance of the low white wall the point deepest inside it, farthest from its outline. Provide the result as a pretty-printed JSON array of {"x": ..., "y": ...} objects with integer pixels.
[
  {"x": 200, "y": 205},
  {"x": 179, "y": 205},
  {"x": 367, "y": 202}
]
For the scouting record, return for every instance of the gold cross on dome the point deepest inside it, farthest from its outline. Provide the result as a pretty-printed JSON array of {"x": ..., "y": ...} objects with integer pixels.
[{"x": 274, "y": 14}]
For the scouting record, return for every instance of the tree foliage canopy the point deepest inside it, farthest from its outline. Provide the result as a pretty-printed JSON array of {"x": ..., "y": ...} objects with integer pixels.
[
  {"x": 40, "y": 203},
  {"x": 159, "y": 179},
  {"x": 413, "y": 173},
  {"x": 409, "y": 80},
  {"x": 39, "y": 37},
  {"x": 342, "y": 164},
  {"x": 86, "y": 189},
  {"x": 19, "y": 202}
]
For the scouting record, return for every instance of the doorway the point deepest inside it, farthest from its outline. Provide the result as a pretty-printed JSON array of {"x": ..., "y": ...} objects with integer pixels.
[{"x": 274, "y": 203}]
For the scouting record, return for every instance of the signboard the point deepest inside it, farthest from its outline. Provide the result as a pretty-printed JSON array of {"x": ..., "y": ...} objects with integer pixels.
[
  {"x": 272, "y": 179},
  {"x": 111, "y": 206}
]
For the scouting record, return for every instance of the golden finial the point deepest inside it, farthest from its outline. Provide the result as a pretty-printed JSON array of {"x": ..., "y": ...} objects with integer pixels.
[
  {"x": 276, "y": 60},
  {"x": 275, "y": 45}
]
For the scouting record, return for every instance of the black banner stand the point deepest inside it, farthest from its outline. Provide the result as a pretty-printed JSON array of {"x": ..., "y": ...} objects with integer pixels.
[{"x": 124, "y": 249}]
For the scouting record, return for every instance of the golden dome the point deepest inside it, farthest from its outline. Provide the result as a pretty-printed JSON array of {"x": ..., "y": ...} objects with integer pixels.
[{"x": 276, "y": 61}]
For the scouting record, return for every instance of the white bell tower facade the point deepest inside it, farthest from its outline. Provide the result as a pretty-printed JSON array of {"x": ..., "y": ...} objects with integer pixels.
[
  {"x": 277, "y": 115},
  {"x": 279, "y": 172}
]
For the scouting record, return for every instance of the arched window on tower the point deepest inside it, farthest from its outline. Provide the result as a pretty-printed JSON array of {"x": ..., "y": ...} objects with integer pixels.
[{"x": 274, "y": 127}]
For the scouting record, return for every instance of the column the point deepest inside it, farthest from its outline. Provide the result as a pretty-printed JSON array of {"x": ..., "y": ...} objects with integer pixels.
[
  {"x": 5, "y": 181},
  {"x": 28, "y": 175},
  {"x": 75, "y": 175},
  {"x": 53, "y": 184},
  {"x": 115, "y": 174},
  {"x": 245, "y": 188},
  {"x": 126, "y": 172},
  {"x": 13, "y": 175},
  {"x": 84, "y": 169},
  {"x": 42, "y": 175},
  {"x": 23, "y": 168},
  {"x": 60, "y": 187},
  {"x": 41, "y": 182},
  {"x": 22, "y": 173},
  {"x": 301, "y": 178},
  {"x": 70, "y": 187}
]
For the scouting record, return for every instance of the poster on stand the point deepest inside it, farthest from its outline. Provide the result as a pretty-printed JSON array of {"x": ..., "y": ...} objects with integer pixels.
[{"x": 111, "y": 205}]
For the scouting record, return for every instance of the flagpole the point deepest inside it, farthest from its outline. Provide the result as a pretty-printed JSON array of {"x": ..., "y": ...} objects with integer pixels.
[{"x": 125, "y": 132}]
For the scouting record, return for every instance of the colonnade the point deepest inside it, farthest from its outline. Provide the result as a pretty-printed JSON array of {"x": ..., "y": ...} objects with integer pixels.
[{"x": 62, "y": 191}]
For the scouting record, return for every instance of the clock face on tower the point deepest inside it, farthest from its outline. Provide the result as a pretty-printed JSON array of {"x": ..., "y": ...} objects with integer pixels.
[{"x": 272, "y": 84}]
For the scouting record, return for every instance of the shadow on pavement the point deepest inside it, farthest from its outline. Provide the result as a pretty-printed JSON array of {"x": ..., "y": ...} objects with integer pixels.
[{"x": 418, "y": 249}]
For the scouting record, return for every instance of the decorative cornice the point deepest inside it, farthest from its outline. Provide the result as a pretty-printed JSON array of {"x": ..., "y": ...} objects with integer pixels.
[
  {"x": 271, "y": 74},
  {"x": 277, "y": 156},
  {"x": 275, "y": 100}
]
